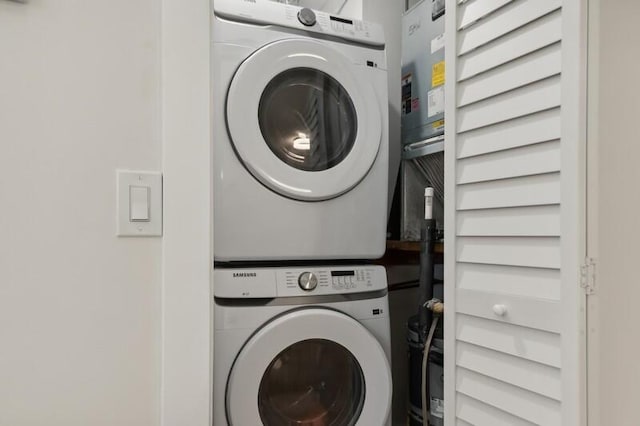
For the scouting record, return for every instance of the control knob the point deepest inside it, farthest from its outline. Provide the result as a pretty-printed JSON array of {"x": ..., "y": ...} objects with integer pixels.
[
  {"x": 307, "y": 281},
  {"x": 307, "y": 17}
]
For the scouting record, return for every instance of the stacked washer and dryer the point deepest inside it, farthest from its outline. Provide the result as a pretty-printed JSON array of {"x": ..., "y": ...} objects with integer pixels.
[{"x": 300, "y": 147}]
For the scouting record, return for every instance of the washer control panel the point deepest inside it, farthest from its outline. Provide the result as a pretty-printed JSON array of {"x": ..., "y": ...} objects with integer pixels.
[
  {"x": 252, "y": 283},
  {"x": 336, "y": 280}
]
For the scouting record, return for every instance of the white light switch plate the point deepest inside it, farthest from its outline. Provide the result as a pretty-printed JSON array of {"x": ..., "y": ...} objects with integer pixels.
[{"x": 125, "y": 181}]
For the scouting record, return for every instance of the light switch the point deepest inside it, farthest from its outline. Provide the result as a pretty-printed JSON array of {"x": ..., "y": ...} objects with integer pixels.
[{"x": 139, "y": 203}]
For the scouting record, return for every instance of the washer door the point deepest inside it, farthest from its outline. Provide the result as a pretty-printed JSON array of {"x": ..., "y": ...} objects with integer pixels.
[
  {"x": 310, "y": 367},
  {"x": 303, "y": 120}
]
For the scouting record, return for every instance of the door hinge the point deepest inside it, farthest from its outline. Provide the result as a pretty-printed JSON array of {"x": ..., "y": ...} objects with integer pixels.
[{"x": 588, "y": 276}]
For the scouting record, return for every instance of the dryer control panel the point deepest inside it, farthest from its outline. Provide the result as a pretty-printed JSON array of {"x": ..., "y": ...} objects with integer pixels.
[
  {"x": 268, "y": 12},
  {"x": 290, "y": 282}
]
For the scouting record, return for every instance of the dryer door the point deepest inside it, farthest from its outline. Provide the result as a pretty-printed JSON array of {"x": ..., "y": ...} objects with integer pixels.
[
  {"x": 311, "y": 366},
  {"x": 303, "y": 119}
]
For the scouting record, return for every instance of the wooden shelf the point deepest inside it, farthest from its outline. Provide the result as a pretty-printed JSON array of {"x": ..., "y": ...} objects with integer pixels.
[
  {"x": 411, "y": 246},
  {"x": 406, "y": 252}
]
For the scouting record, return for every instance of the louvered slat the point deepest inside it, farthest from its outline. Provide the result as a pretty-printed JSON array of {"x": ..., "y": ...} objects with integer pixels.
[
  {"x": 523, "y": 161},
  {"x": 472, "y": 12},
  {"x": 512, "y": 399},
  {"x": 527, "y": 130},
  {"x": 539, "y": 221},
  {"x": 534, "y": 252},
  {"x": 504, "y": 21},
  {"x": 525, "y": 342},
  {"x": 481, "y": 414},
  {"x": 530, "y": 99},
  {"x": 538, "y": 378},
  {"x": 462, "y": 423},
  {"x": 520, "y": 281},
  {"x": 520, "y": 72},
  {"x": 523, "y": 191},
  {"x": 534, "y": 36}
]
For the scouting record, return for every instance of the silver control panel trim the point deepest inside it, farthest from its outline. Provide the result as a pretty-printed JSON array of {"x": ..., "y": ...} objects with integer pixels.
[{"x": 307, "y": 300}]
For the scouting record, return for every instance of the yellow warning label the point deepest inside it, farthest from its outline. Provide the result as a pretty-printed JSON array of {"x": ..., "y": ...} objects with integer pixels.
[
  {"x": 437, "y": 124},
  {"x": 437, "y": 74}
]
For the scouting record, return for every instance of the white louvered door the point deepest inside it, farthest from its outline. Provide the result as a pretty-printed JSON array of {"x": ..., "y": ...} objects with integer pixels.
[{"x": 515, "y": 225}]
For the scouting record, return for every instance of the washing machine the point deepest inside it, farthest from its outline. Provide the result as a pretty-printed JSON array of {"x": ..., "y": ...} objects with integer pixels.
[
  {"x": 301, "y": 346},
  {"x": 300, "y": 137}
]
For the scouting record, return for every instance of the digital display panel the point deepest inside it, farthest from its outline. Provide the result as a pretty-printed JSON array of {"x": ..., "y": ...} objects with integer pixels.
[
  {"x": 342, "y": 273},
  {"x": 344, "y": 21}
]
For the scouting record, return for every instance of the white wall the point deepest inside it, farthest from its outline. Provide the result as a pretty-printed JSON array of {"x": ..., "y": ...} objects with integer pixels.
[
  {"x": 614, "y": 314},
  {"x": 188, "y": 259},
  {"x": 79, "y": 307}
]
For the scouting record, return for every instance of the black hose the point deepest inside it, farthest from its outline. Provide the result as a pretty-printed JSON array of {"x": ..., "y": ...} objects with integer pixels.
[{"x": 428, "y": 236}]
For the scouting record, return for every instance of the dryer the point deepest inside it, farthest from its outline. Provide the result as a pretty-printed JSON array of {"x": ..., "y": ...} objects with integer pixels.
[
  {"x": 302, "y": 346},
  {"x": 300, "y": 138}
]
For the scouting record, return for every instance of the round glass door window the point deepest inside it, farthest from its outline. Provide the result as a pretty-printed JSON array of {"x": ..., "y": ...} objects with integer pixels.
[
  {"x": 313, "y": 382},
  {"x": 307, "y": 119}
]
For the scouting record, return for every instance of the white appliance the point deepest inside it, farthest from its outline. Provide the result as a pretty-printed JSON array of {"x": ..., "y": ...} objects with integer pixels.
[
  {"x": 300, "y": 141},
  {"x": 301, "y": 346}
]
